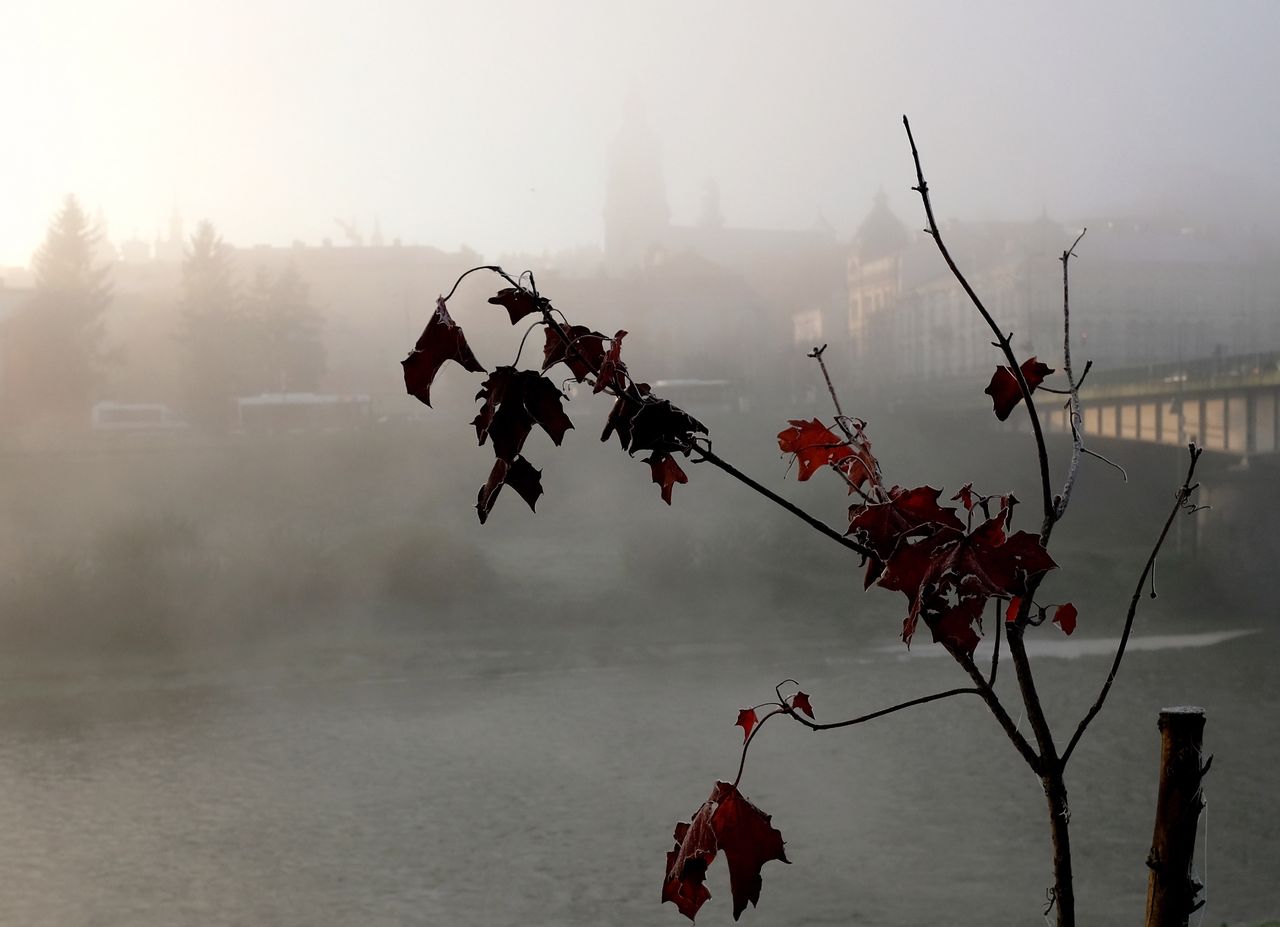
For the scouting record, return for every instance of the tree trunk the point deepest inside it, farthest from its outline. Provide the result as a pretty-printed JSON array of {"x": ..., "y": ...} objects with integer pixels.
[
  {"x": 1171, "y": 889},
  {"x": 1063, "y": 894}
]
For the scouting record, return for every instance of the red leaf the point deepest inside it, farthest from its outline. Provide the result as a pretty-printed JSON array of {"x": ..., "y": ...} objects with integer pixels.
[
  {"x": 746, "y": 720},
  {"x": 1004, "y": 390},
  {"x": 800, "y": 702},
  {"x": 813, "y": 444},
  {"x": 966, "y": 496},
  {"x": 520, "y": 475},
  {"x": 583, "y": 355},
  {"x": 726, "y": 821},
  {"x": 1064, "y": 616},
  {"x": 695, "y": 850},
  {"x": 909, "y": 511},
  {"x": 666, "y": 473},
  {"x": 1011, "y": 615},
  {"x": 518, "y": 303},
  {"x": 612, "y": 370},
  {"x": 514, "y": 401},
  {"x": 749, "y": 841},
  {"x": 442, "y": 340}
]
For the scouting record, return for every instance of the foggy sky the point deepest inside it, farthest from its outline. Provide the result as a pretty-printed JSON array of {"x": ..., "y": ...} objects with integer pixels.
[{"x": 488, "y": 124}]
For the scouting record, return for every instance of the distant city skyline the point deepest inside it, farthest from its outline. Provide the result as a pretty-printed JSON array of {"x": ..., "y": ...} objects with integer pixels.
[{"x": 488, "y": 124}]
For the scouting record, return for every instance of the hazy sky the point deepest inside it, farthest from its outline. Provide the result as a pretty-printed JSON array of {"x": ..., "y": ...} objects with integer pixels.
[{"x": 488, "y": 123}]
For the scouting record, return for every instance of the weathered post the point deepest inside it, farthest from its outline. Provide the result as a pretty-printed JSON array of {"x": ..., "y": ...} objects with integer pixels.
[{"x": 1171, "y": 889}]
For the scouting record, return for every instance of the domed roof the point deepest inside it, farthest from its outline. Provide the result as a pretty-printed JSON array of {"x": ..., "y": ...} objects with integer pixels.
[{"x": 881, "y": 232}]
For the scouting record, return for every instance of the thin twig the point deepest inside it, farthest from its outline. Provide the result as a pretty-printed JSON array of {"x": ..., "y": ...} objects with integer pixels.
[
  {"x": 1002, "y": 341},
  {"x": 841, "y": 420},
  {"x": 1106, "y": 460},
  {"x": 1183, "y": 494},
  {"x": 705, "y": 453},
  {"x": 1073, "y": 387},
  {"x": 923, "y": 700},
  {"x": 995, "y": 653}
]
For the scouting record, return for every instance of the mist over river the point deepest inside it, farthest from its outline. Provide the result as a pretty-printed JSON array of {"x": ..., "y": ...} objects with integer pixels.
[{"x": 524, "y": 779}]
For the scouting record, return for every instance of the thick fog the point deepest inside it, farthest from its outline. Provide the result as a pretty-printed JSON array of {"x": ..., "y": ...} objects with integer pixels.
[
  {"x": 488, "y": 124},
  {"x": 261, "y": 662}
]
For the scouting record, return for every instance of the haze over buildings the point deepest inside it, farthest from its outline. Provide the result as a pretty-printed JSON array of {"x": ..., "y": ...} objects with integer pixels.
[{"x": 487, "y": 124}]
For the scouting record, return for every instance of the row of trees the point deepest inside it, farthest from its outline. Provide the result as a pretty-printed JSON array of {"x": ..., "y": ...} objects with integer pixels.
[{"x": 234, "y": 339}]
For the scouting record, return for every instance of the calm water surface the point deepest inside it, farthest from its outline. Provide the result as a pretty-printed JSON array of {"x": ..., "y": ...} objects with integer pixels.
[{"x": 443, "y": 782}]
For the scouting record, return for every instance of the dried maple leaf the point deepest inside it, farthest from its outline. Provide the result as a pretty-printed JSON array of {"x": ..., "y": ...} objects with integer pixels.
[
  {"x": 1064, "y": 616},
  {"x": 746, "y": 720},
  {"x": 514, "y": 401},
  {"x": 666, "y": 472},
  {"x": 695, "y": 850},
  {"x": 583, "y": 354},
  {"x": 1004, "y": 390},
  {"x": 800, "y": 702},
  {"x": 442, "y": 340},
  {"x": 518, "y": 303},
  {"x": 520, "y": 475},
  {"x": 726, "y": 821}
]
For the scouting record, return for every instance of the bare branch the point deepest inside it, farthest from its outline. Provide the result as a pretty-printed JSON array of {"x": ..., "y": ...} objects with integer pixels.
[
  {"x": 705, "y": 453},
  {"x": 1002, "y": 341},
  {"x": 1180, "y": 502},
  {"x": 841, "y": 419},
  {"x": 923, "y": 700}
]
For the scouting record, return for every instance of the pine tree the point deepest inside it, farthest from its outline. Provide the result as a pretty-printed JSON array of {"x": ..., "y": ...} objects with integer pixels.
[
  {"x": 213, "y": 331},
  {"x": 287, "y": 349},
  {"x": 54, "y": 354}
]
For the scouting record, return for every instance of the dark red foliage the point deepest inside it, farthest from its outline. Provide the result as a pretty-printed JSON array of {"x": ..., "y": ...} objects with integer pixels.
[
  {"x": 746, "y": 720},
  {"x": 726, "y": 821},
  {"x": 695, "y": 850},
  {"x": 518, "y": 303},
  {"x": 584, "y": 353},
  {"x": 666, "y": 472},
  {"x": 442, "y": 340},
  {"x": 800, "y": 702},
  {"x": 1064, "y": 616},
  {"x": 514, "y": 401},
  {"x": 949, "y": 576},
  {"x": 881, "y": 526},
  {"x": 657, "y": 425},
  {"x": 520, "y": 475},
  {"x": 613, "y": 372},
  {"x": 1004, "y": 390},
  {"x": 624, "y": 410}
]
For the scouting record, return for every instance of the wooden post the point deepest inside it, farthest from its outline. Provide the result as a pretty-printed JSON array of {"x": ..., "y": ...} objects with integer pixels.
[{"x": 1171, "y": 889}]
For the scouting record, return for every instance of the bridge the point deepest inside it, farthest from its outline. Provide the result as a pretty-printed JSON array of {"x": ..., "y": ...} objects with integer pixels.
[{"x": 1224, "y": 404}]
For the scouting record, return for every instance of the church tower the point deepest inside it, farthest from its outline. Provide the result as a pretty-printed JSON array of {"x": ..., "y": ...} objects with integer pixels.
[{"x": 636, "y": 217}]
